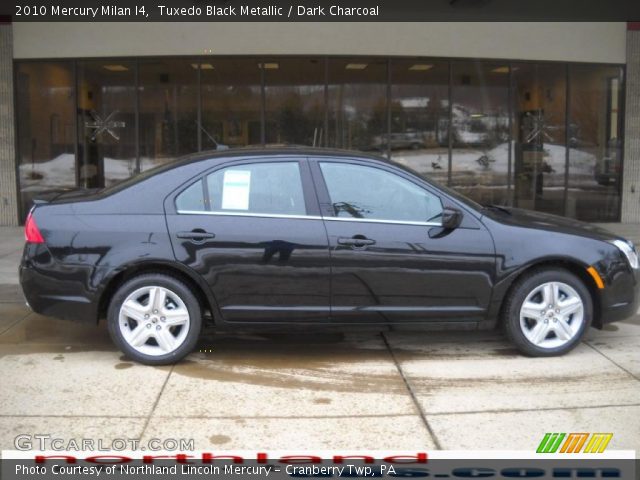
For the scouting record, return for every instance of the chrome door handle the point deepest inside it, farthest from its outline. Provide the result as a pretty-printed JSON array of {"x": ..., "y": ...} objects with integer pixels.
[
  {"x": 197, "y": 235},
  {"x": 355, "y": 242}
]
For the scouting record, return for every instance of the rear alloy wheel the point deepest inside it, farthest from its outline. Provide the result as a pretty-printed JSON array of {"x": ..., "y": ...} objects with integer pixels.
[
  {"x": 154, "y": 319},
  {"x": 548, "y": 312}
]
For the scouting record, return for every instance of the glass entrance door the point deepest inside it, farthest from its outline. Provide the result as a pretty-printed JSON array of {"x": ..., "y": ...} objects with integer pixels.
[
  {"x": 106, "y": 123},
  {"x": 539, "y": 136}
]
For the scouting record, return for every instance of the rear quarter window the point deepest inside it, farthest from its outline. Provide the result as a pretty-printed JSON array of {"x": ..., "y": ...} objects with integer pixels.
[{"x": 191, "y": 199}]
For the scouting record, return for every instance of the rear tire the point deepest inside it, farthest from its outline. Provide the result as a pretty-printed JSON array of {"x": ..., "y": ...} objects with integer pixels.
[
  {"x": 547, "y": 312},
  {"x": 154, "y": 319}
]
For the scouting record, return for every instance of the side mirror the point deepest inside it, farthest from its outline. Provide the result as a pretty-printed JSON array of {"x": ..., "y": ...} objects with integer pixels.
[{"x": 451, "y": 218}]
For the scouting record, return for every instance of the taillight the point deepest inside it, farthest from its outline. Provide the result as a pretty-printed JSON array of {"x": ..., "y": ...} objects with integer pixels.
[{"x": 31, "y": 231}]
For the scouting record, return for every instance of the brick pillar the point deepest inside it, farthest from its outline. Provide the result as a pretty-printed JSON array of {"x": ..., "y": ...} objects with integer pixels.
[
  {"x": 631, "y": 179},
  {"x": 8, "y": 194}
]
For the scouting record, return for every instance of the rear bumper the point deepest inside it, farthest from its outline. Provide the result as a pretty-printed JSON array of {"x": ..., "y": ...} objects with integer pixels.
[
  {"x": 56, "y": 291},
  {"x": 620, "y": 299}
]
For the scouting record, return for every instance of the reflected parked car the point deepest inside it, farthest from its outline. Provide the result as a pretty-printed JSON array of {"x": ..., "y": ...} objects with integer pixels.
[
  {"x": 294, "y": 236},
  {"x": 609, "y": 169},
  {"x": 399, "y": 141}
]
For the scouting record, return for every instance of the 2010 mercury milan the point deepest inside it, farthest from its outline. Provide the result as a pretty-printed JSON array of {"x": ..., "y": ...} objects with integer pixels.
[{"x": 317, "y": 237}]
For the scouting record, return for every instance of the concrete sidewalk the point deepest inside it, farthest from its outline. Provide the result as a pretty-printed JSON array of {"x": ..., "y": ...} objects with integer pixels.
[{"x": 356, "y": 391}]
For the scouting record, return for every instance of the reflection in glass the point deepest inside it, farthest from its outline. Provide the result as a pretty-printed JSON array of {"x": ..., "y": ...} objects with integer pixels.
[
  {"x": 358, "y": 104},
  {"x": 294, "y": 100},
  {"x": 480, "y": 131},
  {"x": 420, "y": 116},
  {"x": 106, "y": 123},
  {"x": 595, "y": 153},
  {"x": 231, "y": 103},
  {"x": 45, "y": 101},
  {"x": 512, "y": 138},
  {"x": 539, "y": 133},
  {"x": 168, "y": 102}
]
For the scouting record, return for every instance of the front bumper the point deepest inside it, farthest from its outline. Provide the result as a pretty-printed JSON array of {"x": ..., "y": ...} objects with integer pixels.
[{"x": 620, "y": 299}]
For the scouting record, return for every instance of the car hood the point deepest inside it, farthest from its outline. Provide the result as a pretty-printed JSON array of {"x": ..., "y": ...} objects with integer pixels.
[{"x": 545, "y": 221}]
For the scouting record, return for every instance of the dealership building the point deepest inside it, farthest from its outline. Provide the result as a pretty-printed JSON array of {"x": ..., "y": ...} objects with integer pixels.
[{"x": 544, "y": 116}]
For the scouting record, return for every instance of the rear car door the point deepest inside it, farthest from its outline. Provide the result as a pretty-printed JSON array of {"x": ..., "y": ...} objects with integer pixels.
[
  {"x": 391, "y": 260},
  {"x": 252, "y": 230}
]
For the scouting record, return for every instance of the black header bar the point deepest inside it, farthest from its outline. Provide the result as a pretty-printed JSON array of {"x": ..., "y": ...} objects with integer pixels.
[{"x": 321, "y": 11}]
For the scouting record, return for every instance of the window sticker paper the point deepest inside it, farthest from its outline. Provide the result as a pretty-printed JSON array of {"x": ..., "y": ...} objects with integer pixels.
[{"x": 235, "y": 190}]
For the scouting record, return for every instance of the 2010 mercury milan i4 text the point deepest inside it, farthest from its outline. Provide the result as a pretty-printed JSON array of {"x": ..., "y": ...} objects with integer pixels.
[{"x": 316, "y": 237}]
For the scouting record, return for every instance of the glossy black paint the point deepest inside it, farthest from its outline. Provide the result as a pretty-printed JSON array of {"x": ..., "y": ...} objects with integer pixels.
[{"x": 311, "y": 269}]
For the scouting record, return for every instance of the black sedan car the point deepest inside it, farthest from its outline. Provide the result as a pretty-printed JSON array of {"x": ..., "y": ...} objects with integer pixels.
[{"x": 293, "y": 236}]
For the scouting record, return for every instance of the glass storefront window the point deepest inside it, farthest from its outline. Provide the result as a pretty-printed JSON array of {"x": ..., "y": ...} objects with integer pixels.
[
  {"x": 595, "y": 143},
  {"x": 357, "y": 106},
  {"x": 106, "y": 123},
  {"x": 45, "y": 104},
  {"x": 231, "y": 103},
  {"x": 480, "y": 166},
  {"x": 294, "y": 101},
  {"x": 545, "y": 136},
  {"x": 168, "y": 106},
  {"x": 419, "y": 107},
  {"x": 539, "y": 136}
]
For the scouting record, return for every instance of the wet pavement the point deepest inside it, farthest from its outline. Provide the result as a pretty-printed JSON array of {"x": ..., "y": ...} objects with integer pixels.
[{"x": 359, "y": 390}]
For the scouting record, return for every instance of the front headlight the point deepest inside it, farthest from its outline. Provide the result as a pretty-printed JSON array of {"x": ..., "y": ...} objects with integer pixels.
[{"x": 629, "y": 251}]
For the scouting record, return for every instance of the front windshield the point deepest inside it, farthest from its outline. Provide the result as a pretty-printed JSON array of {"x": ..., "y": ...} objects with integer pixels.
[{"x": 449, "y": 191}]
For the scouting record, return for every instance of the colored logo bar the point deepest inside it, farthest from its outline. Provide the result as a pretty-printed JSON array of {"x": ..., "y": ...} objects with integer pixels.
[{"x": 574, "y": 442}]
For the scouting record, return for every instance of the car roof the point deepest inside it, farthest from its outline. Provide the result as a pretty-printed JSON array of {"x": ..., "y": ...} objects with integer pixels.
[{"x": 275, "y": 150}]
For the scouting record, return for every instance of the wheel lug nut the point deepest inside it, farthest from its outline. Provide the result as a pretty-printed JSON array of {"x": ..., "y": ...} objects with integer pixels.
[
  {"x": 146, "y": 315},
  {"x": 162, "y": 319},
  {"x": 557, "y": 310},
  {"x": 158, "y": 327},
  {"x": 148, "y": 325}
]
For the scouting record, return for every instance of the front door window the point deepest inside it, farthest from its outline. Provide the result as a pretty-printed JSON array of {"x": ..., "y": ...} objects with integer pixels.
[{"x": 363, "y": 192}]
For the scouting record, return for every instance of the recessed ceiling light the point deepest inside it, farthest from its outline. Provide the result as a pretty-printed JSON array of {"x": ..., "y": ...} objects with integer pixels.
[
  {"x": 356, "y": 66},
  {"x": 504, "y": 69},
  {"x": 115, "y": 68},
  {"x": 420, "y": 67},
  {"x": 269, "y": 65},
  {"x": 202, "y": 66},
  {"x": 478, "y": 115}
]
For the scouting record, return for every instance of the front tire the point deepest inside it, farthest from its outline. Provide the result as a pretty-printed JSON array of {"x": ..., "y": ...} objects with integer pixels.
[
  {"x": 547, "y": 312},
  {"x": 154, "y": 319}
]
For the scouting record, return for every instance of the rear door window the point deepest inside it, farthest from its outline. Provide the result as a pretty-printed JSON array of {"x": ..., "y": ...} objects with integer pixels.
[{"x": 256, "y": 188}]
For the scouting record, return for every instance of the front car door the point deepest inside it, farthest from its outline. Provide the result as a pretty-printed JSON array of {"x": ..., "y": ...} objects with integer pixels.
[
  {"x": 252, "y": 230},
  {"x": 391, "y": 260}
]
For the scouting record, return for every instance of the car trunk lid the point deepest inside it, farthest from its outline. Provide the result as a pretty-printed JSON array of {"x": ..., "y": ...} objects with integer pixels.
[{"x": 64, "y": 195}]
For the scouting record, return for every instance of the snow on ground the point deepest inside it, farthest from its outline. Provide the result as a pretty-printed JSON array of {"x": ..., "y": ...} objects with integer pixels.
[
  {"x": 60, "y": 172},
  {"x": 468, "y": 164}
]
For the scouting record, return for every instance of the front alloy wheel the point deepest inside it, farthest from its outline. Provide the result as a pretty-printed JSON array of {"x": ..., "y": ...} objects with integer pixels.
[
  {"x": 547, "y": 312},
  {"x": 154, "y": 319},
  {"x": 552, "y": 315}
]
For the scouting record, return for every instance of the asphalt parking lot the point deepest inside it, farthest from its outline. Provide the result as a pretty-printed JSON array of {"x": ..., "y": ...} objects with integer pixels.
[{"x": 357, "y": 390}]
